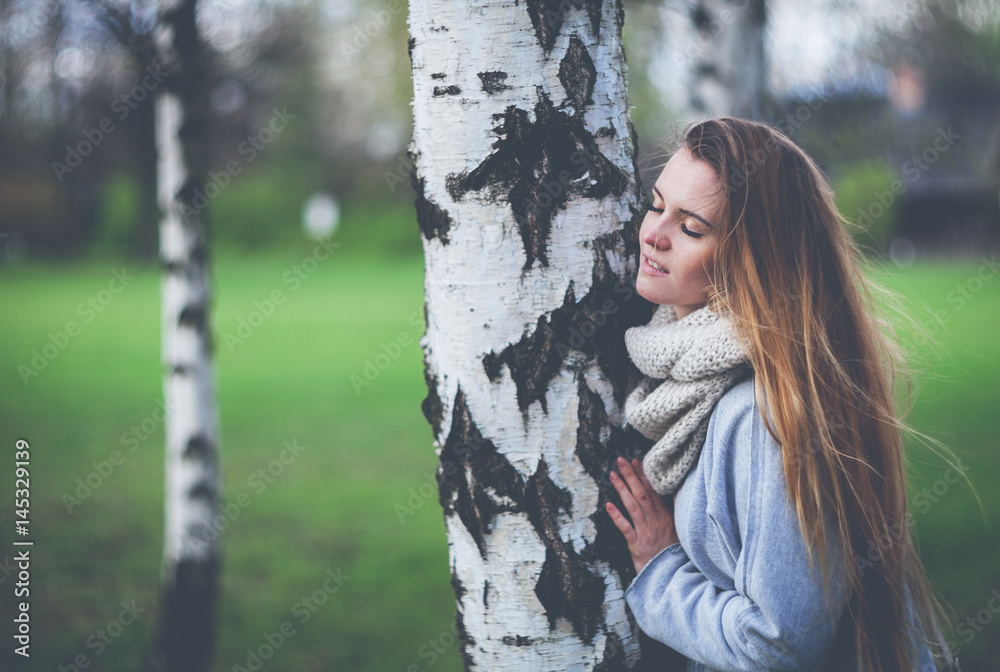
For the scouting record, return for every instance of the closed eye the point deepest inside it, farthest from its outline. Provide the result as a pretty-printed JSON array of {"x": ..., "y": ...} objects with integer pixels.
[
  {"x": 684, "y": 228},
  {"x": 690, "y": 232}
]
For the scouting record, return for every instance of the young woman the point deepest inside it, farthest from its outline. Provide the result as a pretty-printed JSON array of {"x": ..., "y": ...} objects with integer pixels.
[{"x": 768, "y": 388}]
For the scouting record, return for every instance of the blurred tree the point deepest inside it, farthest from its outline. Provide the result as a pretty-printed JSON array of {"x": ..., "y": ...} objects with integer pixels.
[
  {"x": 163, "y": 38},
  {"x": 186, "y": 622},
  {"x": 526, "y": 198},
  {"x": 727, "y": 67}
]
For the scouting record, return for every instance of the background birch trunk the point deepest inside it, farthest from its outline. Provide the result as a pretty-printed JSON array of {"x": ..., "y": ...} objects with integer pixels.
[
  {"x": 524, "y": 158},
  {"x": 728, "y": 68},
  {"x": 185, "y": 630}
]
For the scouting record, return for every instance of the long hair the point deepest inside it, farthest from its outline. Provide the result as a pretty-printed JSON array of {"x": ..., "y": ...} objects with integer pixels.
[{"x": 826, "y": 364}]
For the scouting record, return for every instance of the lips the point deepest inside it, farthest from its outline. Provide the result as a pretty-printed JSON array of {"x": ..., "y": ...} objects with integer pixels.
[{"x": 649, "y": 267}]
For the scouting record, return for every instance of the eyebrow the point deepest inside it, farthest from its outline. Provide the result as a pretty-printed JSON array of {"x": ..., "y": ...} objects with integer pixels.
[{"x": 684, "y": 211}]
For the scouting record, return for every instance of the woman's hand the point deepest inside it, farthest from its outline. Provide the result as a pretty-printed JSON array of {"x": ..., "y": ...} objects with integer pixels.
[{"x": 652, "y": 527}]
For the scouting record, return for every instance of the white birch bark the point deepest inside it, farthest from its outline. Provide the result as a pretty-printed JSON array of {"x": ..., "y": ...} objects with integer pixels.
[
  {"x": 524, "y": 160},
  {"x": 185, "y": 627},
  {"x": 191, "y": 428}
]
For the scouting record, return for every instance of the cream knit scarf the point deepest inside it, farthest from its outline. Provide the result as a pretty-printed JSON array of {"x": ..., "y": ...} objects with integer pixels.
[{"x": 688, "y": 365}]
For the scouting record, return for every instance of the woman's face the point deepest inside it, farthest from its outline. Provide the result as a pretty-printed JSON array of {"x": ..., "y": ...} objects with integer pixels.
[{"x": 677, "y": 239}]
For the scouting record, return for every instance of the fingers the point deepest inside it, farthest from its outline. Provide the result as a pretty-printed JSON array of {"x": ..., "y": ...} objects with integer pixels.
[
  {"x": 621, "y": 523},
  {"x": 636, "y": 484},
  {"x": 631, "y": 504},
  {"x": 640, "y": 501}
]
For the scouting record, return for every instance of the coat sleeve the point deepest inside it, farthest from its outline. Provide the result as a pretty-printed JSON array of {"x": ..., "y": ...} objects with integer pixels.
[{"x": 777, "y": 616}]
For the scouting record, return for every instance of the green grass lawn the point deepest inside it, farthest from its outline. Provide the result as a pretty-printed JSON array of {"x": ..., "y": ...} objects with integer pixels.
[{"x": 331, "y": 508}]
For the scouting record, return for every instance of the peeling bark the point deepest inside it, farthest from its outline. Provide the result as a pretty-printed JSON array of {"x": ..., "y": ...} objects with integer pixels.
[{"x": 527, "y": 202}]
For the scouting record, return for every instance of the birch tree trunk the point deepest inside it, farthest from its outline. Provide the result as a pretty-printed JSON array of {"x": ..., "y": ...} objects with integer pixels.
[
  {"x": 185, "y": 630},
  {"x": 728, "y": 71},
  {"x": 524, "y": 158}
]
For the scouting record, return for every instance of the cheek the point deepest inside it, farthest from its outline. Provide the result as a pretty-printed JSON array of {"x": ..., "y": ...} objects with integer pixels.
[{"x": 706, "y": 264}]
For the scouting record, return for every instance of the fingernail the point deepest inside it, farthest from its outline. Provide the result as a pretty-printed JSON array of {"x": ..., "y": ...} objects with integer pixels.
[{"x": 621, "y": 460}]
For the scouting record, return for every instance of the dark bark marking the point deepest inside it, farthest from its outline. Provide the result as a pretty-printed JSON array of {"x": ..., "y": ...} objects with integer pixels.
[
  {"x": 493, "y": 81},
  {"x": 432, "y": 219},
  {"x": 193, "y": 315},
  {"x": 705, "y": 69},
  {"x": 595, "y": 326},
  {"x": 547, "y": 17},
  {"x": 535, "y": 167},
  {"x": 566, "y": 586},
  {"x": 457, "y": 586},
  {"x": 437, "y": 75},
  {"x": 203, "y": 490},
  {"x": 464, "y": 493},
  {"x": 199, "y": 447},
  {"x": 486, "y": 593},
  {"x": 193, "y": 265},
  {"x": 452, "y": 90},
  {"x": 431, "y": 406},
  {"x": 577, "y": 74},
  {"x": 517, "y": 640},
  {"x": 534, "y": 363},
  {"x": 702, "y": 19},
  {"x": 467, "y": 640},
  {"x": 173, "y": 267},
  {"x": 473, "y": 475}
]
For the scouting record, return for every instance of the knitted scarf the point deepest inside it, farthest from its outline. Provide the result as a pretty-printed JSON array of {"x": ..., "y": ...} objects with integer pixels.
[{"x": 688, "y": 364}]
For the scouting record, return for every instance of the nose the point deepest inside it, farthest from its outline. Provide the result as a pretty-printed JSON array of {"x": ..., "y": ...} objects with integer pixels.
[{"x": 656, "y": 237}]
